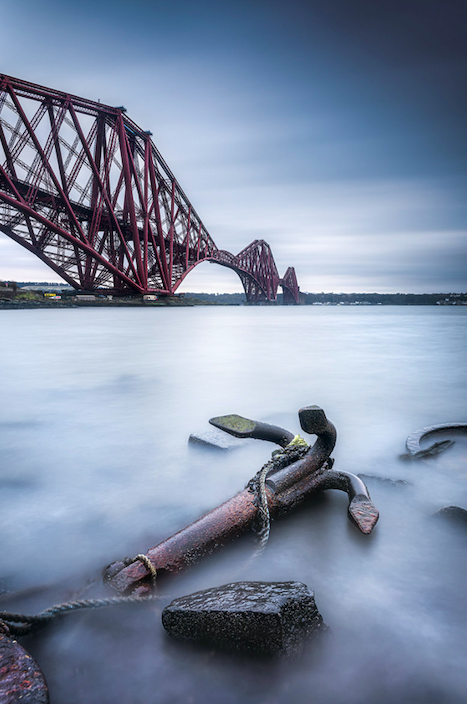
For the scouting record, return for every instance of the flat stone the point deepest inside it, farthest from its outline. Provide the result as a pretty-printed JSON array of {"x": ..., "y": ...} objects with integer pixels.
[
  {"x": 263, "y": 617},
  {"x": 216, "y": 439}
]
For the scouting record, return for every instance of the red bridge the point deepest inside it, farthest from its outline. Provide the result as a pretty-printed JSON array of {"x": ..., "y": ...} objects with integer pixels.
[{"x": 85, "y": 189}]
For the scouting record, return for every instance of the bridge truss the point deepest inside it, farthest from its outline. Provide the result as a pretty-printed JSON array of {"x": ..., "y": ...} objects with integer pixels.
[{"x": 86, "y": 190}]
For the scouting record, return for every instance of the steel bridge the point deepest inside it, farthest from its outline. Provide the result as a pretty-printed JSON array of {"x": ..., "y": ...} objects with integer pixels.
[{"x": 86, "y": 190}]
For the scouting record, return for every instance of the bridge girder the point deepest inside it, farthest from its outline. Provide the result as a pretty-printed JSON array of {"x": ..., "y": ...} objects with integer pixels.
[{"x": 86, "y": 190}]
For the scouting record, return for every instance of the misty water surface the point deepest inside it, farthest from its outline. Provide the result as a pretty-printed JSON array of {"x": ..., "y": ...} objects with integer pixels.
[{"x": 96, "y": 409}]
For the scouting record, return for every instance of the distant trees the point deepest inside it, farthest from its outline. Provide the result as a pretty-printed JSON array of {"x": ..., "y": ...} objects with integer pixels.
[
  {"x": 12, "y": 285},
  {"x": 384, "y": 299}
]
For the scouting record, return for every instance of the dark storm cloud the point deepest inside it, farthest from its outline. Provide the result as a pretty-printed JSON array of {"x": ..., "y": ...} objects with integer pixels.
[{"x": 309, "y": 124}]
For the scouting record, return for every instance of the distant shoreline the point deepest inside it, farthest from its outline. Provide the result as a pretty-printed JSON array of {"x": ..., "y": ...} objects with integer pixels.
[
  {"x": 15, "y": 296},
  {"x": 15, "y": 304}
]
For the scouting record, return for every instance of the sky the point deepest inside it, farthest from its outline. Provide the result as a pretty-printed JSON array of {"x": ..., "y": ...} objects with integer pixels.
[{"x": 336, "y": 130}]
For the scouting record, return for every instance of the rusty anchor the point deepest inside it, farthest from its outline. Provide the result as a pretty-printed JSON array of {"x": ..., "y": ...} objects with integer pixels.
[{"x": 285, "y": 489}]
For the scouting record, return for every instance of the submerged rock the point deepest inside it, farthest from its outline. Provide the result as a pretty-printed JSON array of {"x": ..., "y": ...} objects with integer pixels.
[
  {"x": 264, "y": 617},
  {"x": 216, "y": 439},
  {"x": 455, "y": 514},
  {"x": 384, "y": 480}
]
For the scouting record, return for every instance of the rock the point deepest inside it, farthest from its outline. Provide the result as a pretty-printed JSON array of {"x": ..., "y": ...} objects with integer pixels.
[
  {"x": 263, "y": 617},
  {"x": 20, "y": 676},
  {"x": 384, "y": 480},
  {"x": 215, "y": 438},
  {"x": 455, "y": 514}
]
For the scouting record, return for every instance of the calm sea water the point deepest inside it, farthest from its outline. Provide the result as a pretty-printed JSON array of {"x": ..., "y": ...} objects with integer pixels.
[{"x": 96, "y": 407}]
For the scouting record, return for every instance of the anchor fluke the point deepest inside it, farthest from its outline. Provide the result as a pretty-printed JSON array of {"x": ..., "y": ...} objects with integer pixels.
[
  {"x": 242, "y": 427},
  {"x": 363, "y": 513},
  {"x": 234, "y": 424}
]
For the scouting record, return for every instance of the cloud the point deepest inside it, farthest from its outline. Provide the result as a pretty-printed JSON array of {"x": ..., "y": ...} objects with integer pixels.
[
  {"x": 356, "y": 236},
  {"x": 336, "y": 134}
]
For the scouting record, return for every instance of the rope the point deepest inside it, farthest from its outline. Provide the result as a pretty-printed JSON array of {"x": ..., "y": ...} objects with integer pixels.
[
  {"x": 149, "y": 566},
  {"x": 295, "y": 450},
  {"x": 23, "y": 624}
]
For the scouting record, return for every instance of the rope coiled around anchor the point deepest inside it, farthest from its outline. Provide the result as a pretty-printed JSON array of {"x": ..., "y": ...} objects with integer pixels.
[{"x": 295, "y": 450}]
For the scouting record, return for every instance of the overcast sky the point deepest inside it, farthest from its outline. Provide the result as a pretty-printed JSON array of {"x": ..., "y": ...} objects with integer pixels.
[{"x": 334, "y": 129}]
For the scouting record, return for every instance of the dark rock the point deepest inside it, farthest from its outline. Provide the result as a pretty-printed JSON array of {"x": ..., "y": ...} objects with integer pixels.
[
  {"x": 20, "y": 676},
  {"x": 216, "y": 439},
  {"x": 264, "y": 617},
  {"x": 456, "y": 514},
  {"x": 384, "y": 480}
]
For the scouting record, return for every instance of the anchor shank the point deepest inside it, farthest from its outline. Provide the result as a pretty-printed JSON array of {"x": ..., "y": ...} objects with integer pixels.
[
  {"x": 225, "y": 523},
  {"x": 218, "y": 527}
]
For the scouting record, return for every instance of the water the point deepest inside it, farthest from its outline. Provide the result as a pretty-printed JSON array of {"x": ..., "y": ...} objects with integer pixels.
[{"x": 96, "y": 408}]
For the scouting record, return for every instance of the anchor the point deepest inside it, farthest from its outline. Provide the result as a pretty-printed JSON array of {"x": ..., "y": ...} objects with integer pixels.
[
  {"x": 296, "y": 472},
  {"x": 285, "y": 488}
]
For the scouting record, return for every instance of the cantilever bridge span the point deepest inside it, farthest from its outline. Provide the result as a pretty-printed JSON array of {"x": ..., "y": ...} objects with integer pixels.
[{"x": 86, "y": 190}]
